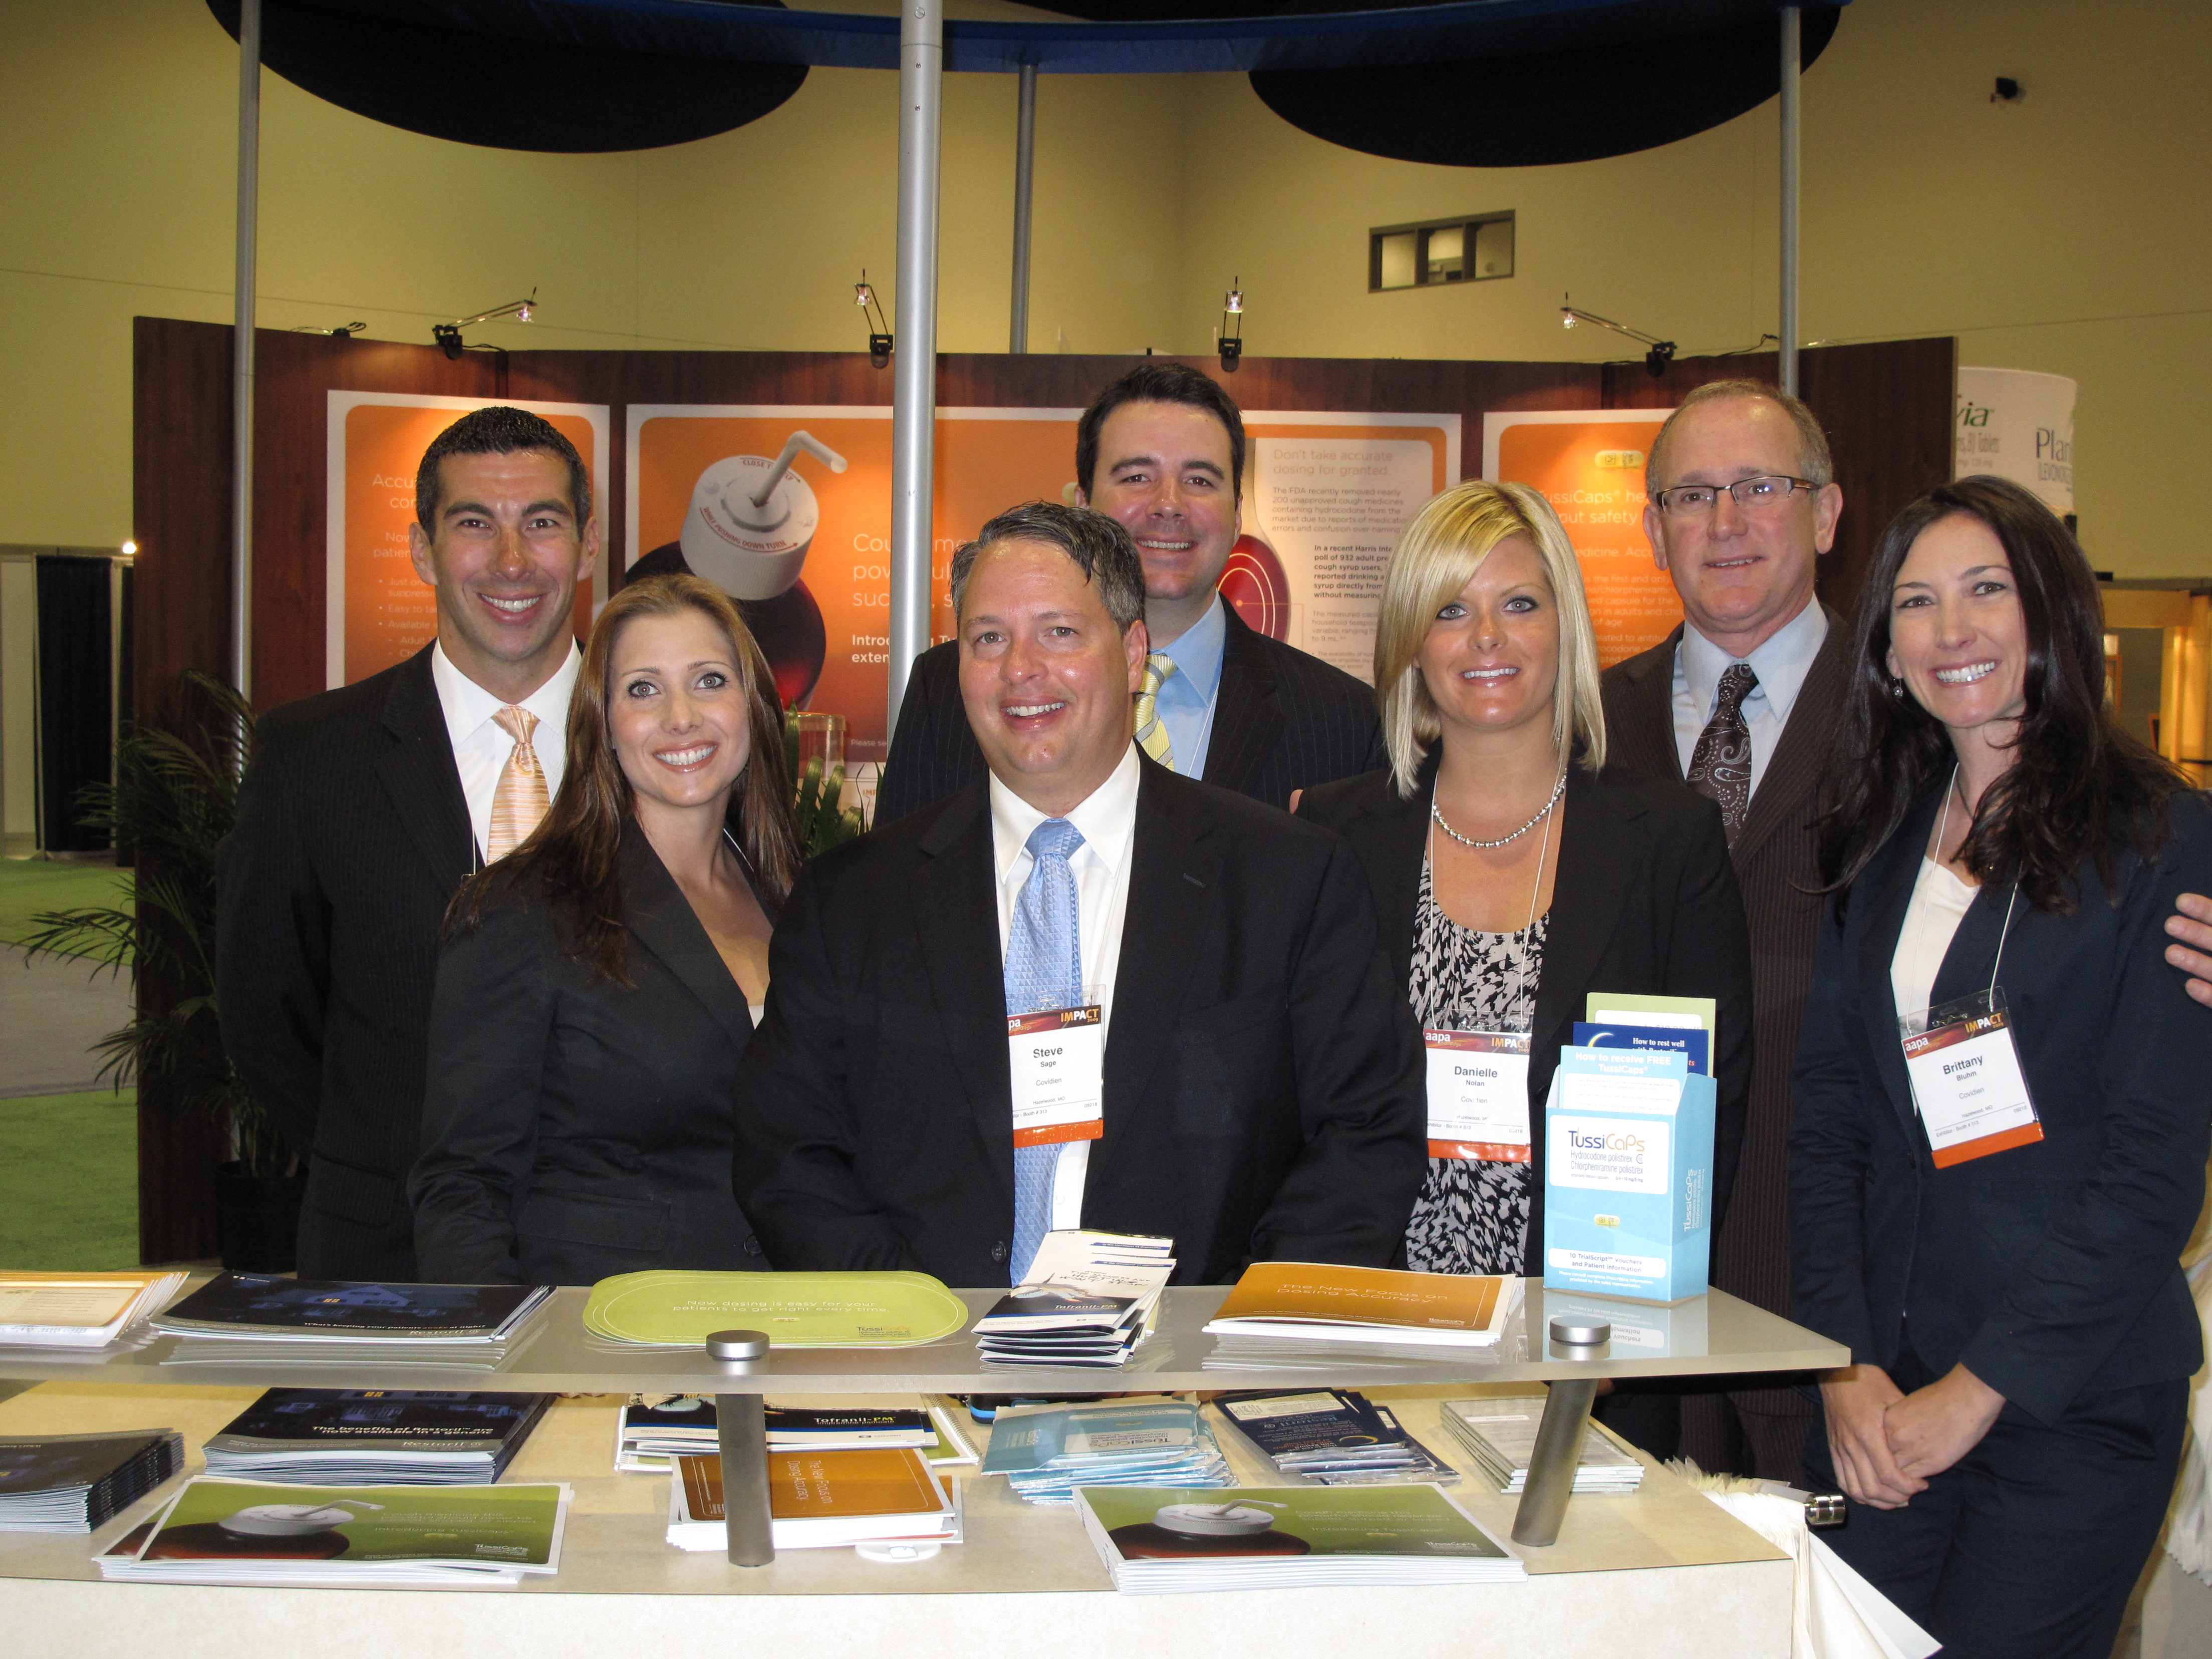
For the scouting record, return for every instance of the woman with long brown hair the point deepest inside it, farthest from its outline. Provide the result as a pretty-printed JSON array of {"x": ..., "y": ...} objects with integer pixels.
[
  {"x": 2001, "y": 1116},
  {"x": 597, "y": 985}
]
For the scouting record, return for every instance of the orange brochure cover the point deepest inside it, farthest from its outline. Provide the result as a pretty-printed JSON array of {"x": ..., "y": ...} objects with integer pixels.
[
  {"x": 1307, "y": 1292},
  {"x": 821, "y": 1485}
]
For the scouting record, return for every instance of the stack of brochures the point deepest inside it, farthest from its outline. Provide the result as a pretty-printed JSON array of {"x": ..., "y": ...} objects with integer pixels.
[
  {"x": 667, "y": 1309},
  {"x": 1335, "y": 1437},
  {"x": 75, "y": 1482},
  {"x": 322, "y": 1321},
  {"x": 78, "y": 1311},
  {"x": 1295, "y": 1314},
  {"x": 1047, "y": 1451},
  {"x": 1089, "y": 1299},
  {"x": 239, "y": 1532},
  {"x": 376, "y": 1436},
  {"x": 821, "y": 1500},
  {"x": 653, "y": 1428},
  {"x": 1500, "y": 1435},
  {"x": 1284, "y": 1537}
]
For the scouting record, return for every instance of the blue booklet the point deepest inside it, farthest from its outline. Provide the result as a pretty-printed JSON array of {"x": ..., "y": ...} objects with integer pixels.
[
  {"x": 1693, "y": 1043},
  {"x": 263, "y": 1305}
]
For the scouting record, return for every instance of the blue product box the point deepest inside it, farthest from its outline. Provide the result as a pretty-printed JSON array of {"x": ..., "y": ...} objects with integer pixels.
[{"x": 1628, "y": 1175}]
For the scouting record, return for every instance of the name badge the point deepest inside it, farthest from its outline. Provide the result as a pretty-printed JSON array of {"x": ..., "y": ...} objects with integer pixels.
[
  {"x": 1478, "y": 1095},
  {"x": 1967, "y": 1079},
  {"x": 1057, "y": 1064}
]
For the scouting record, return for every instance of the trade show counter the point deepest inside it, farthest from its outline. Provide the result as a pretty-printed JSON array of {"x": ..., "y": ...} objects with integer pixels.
[{"x": 1661, "y": 1570}]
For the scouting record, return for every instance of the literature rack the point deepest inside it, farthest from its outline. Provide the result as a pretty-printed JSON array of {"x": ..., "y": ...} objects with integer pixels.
[{"x": 1713, "y": 1334}]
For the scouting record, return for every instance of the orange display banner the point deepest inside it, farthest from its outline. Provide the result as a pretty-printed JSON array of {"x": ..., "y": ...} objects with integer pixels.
[
  {"x": 1589, "y": 465},
  {"x": 809, "y": 560},
  {"x": 378, "y": 612}
]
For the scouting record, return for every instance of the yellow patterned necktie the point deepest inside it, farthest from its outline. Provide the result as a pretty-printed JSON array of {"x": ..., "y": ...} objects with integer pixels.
[
  {"x": 1151, "y": 730},
  {"x": 520, "y": 800}
]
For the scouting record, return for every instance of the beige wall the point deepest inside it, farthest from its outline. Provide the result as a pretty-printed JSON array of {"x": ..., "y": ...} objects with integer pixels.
[{"x": 2069, "y": 232}]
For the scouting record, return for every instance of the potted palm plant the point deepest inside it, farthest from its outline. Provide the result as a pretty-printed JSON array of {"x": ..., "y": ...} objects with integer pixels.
[{"x": 174, "y": 798}]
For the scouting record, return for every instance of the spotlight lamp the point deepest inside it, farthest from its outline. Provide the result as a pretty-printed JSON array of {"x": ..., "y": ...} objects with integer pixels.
[
  {"x": 343, "y": 332},
  {"x": 447, "y": 336},
  {"x": 1656, "y": 359},
  {"x": 879, "y": 331},
  {"x": 1231, "y": 343}
]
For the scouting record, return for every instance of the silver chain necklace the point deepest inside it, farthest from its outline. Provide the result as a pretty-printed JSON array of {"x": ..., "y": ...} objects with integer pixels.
[{"x": 1436, "y": 812}]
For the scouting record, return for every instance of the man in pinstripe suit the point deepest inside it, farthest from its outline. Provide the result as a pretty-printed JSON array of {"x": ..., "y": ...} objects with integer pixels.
[{"x": 1162, "y": 450}]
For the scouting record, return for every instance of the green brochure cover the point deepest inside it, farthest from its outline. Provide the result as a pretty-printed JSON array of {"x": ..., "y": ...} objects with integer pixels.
[
  {"x": 670, "y": 1310},
  {"x": 1676, "y": 1011},
  {"x": 245, "y": 1522},
  {"x": 1148, "y": 1523}
]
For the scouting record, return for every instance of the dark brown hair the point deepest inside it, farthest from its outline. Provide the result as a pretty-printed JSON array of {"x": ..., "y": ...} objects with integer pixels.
[
  {"x": 2078, "y": 786},
  {"x": 499, "y": 429},
  {"x": 571, "y": 861},
  {"x": 1160, "y": 382}
]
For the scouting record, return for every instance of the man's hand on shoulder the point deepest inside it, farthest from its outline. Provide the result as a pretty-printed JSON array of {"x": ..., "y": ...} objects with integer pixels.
[{"x": 2191, "y": 924}]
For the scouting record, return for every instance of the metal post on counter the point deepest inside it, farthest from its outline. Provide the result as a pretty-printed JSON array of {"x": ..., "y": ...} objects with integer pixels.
[
  {"x": 914, "y": 388},
  {"x": 1560, "y": 1433},
  {"x": 741, "y": 1436}
]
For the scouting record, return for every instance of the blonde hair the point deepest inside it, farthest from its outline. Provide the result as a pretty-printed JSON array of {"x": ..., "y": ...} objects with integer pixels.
[{"x": 1437, "y": 555}]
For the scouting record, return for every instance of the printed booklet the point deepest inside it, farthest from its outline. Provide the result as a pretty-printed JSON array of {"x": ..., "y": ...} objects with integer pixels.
[
  {"x": 78, "y": 1311},
  {"x": 1334, "y": 1437},
  {"x": 374, "y": 1437},
  {"x": 651, "y": 1429},
  {"x": 1315, "y": 1302},
  {"x": 76, "y": 1482},
  {"x": 821, "y": 1500},
  {"x": 1281, "y": 1537},
  {"x": 264, "y": 1308},
  {"x": 1089, "y": 1298}
]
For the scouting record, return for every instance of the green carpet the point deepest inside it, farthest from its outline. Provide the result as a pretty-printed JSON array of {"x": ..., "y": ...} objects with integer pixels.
[
  {"x": 68, "y": 1181},
  {"x": 29, "y": 886}
]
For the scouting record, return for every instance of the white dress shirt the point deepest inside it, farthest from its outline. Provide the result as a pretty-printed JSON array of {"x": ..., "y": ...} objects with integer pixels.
[
  {"x": 1781, "y": 664},
  {"x": 1186, "y": 698},
  {"x": 1939, "y": 903},
  {"x": 481, "y": 745},
  {"x": 1108, "y": 820}
]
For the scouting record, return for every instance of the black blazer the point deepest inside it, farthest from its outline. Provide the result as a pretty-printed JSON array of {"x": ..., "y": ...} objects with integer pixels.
[
  {"x": 1644, "y": 904},
  {"x": 352, "y": 837},
  {"x": 2051, "y": 1270},
  {"x": 1777, "y": 867},
  {"x": 1282, "y": 721},
  {"x": 1263, "y": 1080},
  {"x": 574, "y": 1127}
]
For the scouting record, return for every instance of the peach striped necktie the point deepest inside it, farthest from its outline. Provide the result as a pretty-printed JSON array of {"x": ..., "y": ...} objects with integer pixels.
[{"x": 520, "y": 799}]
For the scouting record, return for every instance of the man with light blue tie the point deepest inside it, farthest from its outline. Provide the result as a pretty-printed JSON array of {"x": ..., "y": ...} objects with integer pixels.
[{"x": 1183, "y": 1024}]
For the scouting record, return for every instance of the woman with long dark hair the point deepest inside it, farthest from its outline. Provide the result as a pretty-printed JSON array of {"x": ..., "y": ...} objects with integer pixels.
[
  {"x": 597, "y": 985},
  {"x": 2001, "y": 1111}
]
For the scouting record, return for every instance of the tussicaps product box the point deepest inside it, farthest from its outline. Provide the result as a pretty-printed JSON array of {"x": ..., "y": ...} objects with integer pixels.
[{"x": 1628, "y": 1175}]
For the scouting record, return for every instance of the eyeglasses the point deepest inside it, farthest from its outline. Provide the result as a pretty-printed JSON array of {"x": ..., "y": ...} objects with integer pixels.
[{"x": 1762, "y": 495}]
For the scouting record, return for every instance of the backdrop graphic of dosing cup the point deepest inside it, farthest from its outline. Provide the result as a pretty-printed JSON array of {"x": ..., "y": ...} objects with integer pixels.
[
  {"x": 752, "y": 520},
  {"x": 750, "y": 526}
]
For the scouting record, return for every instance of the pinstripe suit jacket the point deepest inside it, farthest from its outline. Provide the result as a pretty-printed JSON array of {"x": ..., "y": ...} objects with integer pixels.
[
  {"x": 352, "y": 837},
  {"x": 1284, "y": 721},
  {"x": 1775, "y": 865}
]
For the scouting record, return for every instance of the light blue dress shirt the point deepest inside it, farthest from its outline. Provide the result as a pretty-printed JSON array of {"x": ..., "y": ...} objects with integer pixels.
[
  {"x": 1188, "y": 697},
  {"x": 1781, "y": 664}
]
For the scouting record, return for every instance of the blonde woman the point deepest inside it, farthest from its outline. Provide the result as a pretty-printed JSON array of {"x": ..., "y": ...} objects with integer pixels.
[{"x": 1513, "y": 872}]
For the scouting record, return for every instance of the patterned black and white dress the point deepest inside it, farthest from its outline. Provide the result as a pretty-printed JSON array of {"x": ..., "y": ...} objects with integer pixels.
[{"x": 1472, "y": 1217}]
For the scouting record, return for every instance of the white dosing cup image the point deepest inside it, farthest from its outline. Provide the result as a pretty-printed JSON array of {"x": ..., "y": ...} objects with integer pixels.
[{"x": 751, "y": 519}]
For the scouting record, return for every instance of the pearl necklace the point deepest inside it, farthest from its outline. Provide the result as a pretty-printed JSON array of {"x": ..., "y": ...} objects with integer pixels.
[{"x": 1436, "y": 812}]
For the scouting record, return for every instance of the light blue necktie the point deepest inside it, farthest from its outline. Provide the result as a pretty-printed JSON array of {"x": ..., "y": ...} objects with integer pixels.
[{"x": 1044, "y": 969}]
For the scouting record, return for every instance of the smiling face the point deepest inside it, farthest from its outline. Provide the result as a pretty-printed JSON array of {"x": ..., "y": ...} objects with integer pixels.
[
  {"x": 1164, "y": 471},
  {"x": 676, "y": 713},
  {"x": 1958, "y": 637},
  {"x": 1046, "y": 676},
  {"x": 1491, "y": 660},
  {"x": 505, "y": 556},
  {"x": 1743, "y": 576}
]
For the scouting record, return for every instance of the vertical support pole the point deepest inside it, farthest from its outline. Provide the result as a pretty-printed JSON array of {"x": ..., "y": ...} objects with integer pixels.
[
  {"x": 1017, "y": 335},
  {"x": 1792, "y": 42},
  {"x": 241, "y": 372},
  {"x": 741, "y": 1436},
  {"x": 913, "y": 387}
]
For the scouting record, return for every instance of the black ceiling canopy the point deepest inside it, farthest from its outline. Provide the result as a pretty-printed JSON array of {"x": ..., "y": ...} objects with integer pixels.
[
  {"x": 1539, "y": 108},
  {"x": 506, "y": 92}
]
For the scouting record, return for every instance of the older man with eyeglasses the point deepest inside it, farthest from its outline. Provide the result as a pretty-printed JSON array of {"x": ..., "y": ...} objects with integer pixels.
[{"x": 1740, "y": 703}]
